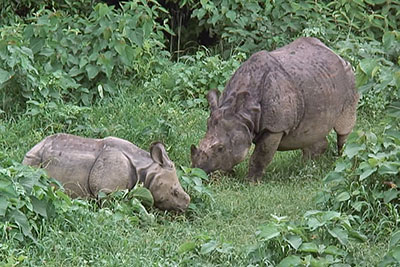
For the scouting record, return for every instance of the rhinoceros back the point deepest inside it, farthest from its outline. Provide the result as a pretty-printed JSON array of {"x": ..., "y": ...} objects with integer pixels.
[
  {"x": 301, "y": 89},
  {"x": 87, "y": 166}
]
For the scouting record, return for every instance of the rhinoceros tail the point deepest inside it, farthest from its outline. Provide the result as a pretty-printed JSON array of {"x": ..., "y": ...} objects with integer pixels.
[{"x": 34, "y": 156}]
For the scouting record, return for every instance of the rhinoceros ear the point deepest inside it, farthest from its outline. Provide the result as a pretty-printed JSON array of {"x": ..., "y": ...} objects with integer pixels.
[
  {"x": 159, "y": 155},
  {"x": 241, "y": 100},
  {"x": 193, "y": 150},
  {"x": 238, "y": 103},
  {"x": 212, "y": 98}
]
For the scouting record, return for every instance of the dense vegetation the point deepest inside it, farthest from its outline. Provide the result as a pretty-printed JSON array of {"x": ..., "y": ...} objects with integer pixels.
[{"x": 140, "y": 71}]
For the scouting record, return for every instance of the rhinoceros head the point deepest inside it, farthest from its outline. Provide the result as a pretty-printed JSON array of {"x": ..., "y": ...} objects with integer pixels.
[
  {"x": 227, "y": 140},
  {"x": 163, "y": 182}
]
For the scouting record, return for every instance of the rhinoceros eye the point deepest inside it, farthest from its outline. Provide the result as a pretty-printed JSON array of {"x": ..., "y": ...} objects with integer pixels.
[{"x": 220, "y": 148}]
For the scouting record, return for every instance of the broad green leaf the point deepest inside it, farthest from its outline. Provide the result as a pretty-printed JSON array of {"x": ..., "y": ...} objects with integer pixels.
[
  {"x": 208, "y": 247},
  {"x": 309, "y": 247},
  {"x": 314, "y": 223},
  {"x": 335, "y": 251},
  {"x": 187, "y": 246},
  {"x": 136, "y": 37},
  {"x": 341, "y": 166},
  {"x": 36, "y": 44},
  {"x": 119, "y": 46},
  {"x": 294, "y": 240},
  {"x": 21, "y": 220},
  {"x": 369, "y": 66},
  {"x": 3, "y": 206},
  {"x": 147, "y": 29},
  {"x": 358, "y": 236},
  {"x": 75, "y": 71},
  {"x": 29, "y": 180},
  {"x": 395, "y": 239},
  {"x": 68, "y": 82},
  {"x": 394, "y": 109},
  {"x": 343, "y": 197},
  {"x": 6, "y": 188},
  {"x": 39, "y": 206},
  {"x": 334, "y": 176},
  {"x": 268, "y": 232},
  {"x": 358, "y": 205},
  {"x": 330, "y": 215},
  {"x": 144, "y": 195},
  {"x": 366, "y": 173},
  {"x": 200, "y": 173},
  {"x": 389, "y": 195},
  {"x": 231, "y": 15},
  {"x": 339, "y": 234},
  {"x": 353, "y": 149},
  {"x": 106, "y": 62},
  {"x": 396, "y": 253},
  {"x": 388, "y": 40},
  {"x": 290, "y": 261},
  {"x": 391, "y": 168},
  {"x": 92, "y": 71},
  {"x": 4, "y": 76},
  {"x": 102, "y": 9},
  {"x": 137, "y": 206},
  {"x": 225, "y": 248}
]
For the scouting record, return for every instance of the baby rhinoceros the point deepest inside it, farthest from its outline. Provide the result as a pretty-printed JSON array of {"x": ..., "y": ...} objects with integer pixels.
[
  {"x": 287, "y": 99},
  {"x": 86, "y": 166}
]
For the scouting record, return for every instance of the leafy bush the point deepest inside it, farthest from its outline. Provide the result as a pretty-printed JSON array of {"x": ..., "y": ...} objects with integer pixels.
[
  {"x": 66, "y": 57},
  {"x": 320, "y": 240},
  {"x": 19, "y": 11},
  {"x": 392, "y": 258},
  {"x": 255, "y": 25},
  {"x": 129, "y": 204},
  {"x": 364, "y": 182},
  {"x": 192, "y": 180},
  {"x": 189, "y": 80},
  {"x": 377, "y": 70},
  {"x": 28, "y": 198}
]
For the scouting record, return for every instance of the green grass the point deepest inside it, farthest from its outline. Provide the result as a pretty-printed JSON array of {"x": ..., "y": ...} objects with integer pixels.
[{"x": 98, "y": 238}]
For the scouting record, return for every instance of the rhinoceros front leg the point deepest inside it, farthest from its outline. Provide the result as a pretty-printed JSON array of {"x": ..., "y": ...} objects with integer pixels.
[
  {"x": 265, "y": 149},
  {"x": 112, "y": 171},
  {"x": 316, "y": 149}
]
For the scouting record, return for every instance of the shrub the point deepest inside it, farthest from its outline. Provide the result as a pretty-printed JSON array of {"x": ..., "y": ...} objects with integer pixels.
[
  {"x": 19, "y": 11},
  {"x": 364, "y": 182},
  {"x": 28, "y": 198},
  {"x": 255, "y": 25},
  {"x": 58, "y": 56},
  {"x": 189, "y": 80},
  {"x": 320, "y": 240}
]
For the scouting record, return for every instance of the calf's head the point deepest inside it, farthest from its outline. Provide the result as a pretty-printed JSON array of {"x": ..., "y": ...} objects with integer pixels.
[
  {"x": 228, "y": 138},
  {"x": 163, "y": 182}
]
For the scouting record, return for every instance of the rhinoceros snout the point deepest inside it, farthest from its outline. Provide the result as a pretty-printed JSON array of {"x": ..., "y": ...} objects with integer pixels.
[{"x": 185, "y": 204}]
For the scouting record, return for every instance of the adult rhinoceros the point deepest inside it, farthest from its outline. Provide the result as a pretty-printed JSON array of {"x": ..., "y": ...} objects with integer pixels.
[
  {"x": 87, "y": 166},
  {"x": 287, "y": 99}
]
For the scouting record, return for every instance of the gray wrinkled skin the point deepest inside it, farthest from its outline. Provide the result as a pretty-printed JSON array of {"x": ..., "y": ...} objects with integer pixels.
[
  {"x": 87, "y": 166},
  {"x": 287, "y": 99}
]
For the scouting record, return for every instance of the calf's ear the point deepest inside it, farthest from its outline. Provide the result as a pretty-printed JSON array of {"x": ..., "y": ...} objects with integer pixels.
[
  {"x": 159, "y": 155},
  {"x": 212, "y": 98},
  {"x": 193, "y": 149}
]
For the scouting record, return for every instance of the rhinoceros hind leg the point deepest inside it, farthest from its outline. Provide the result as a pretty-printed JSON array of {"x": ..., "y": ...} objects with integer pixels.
[
  {"x": 316, "y": 149},
  {"x": 264, "y": 151},
  {"x": 344, "y": 125},
  {"x": 112, "y": 171}
]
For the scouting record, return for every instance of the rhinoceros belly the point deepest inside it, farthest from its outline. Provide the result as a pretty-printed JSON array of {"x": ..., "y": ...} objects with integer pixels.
[{"x": 312, "y": 129}]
